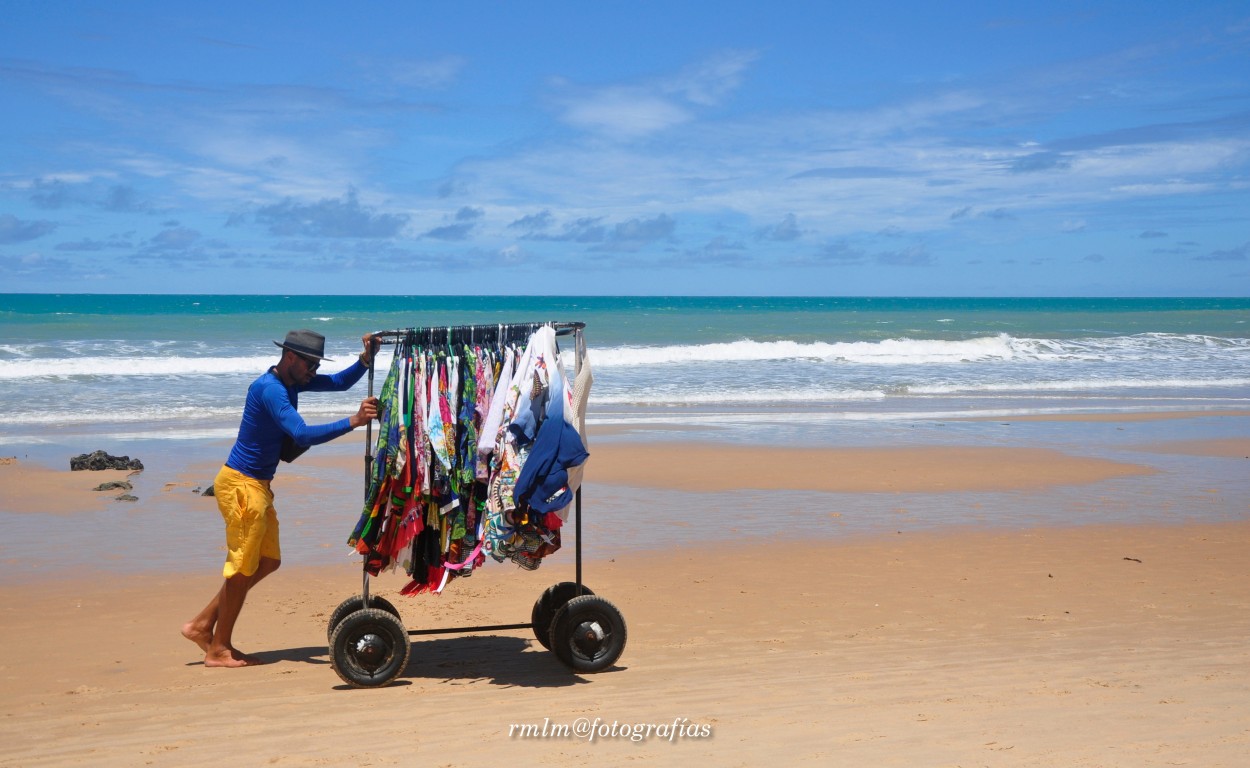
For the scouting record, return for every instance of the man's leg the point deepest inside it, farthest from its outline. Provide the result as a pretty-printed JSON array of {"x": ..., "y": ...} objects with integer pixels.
[
  {"x": 246, "y": 507},
  {"x": 202, "y": 627},
  {"x": 220, "y": 652},
  {"x": 229, "y": 605}
]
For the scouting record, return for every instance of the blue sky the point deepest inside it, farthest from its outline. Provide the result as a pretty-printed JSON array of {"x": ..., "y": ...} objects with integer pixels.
[{"x": 577, "y": 148}]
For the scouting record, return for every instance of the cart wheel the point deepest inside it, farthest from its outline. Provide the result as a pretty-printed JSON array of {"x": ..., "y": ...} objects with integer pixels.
[
  {"x": 545, "y": 608},
  {"x": 588, "y": 634},
  {"x": 355, "y": 603},
  {"x": 369, "y": 648}
]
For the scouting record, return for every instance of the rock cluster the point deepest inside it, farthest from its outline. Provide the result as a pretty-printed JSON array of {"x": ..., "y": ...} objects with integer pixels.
[
  {"x": 101, "y": 460},
  {"x": 115, "y": 485}
]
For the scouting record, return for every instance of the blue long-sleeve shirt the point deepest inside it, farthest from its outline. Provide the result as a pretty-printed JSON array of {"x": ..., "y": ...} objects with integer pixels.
[{"x": 270, "y": 414}]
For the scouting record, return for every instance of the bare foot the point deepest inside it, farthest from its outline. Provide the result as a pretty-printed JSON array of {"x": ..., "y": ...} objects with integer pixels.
[
  {"x": 230, "y": 658},
  {"x": 198, "y": 635}
]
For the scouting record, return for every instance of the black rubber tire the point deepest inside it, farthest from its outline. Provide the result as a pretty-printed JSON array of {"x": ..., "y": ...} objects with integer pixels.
[
  {"x": 588, "y": 634},
  {"x": 548, "y": 603},
  {"x": 353, "y": 604},
  {"x": 369, "y": 648}
]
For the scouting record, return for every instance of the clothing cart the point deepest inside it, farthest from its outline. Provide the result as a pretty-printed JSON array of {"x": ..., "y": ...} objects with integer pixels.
[{"x": 369, "y": 645}]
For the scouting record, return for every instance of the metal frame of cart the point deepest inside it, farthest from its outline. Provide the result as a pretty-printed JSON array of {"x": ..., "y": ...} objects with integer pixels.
[{"x": 369, "y": 645}]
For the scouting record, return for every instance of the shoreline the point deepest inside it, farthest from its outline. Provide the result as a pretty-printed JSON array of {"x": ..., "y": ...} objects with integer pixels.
[
  {"x": 651, "y": 489},
  {"x": 1097, "y": 473},
  {"x": 32, "y": 488},
  {"x": 1127, "y": 416}
]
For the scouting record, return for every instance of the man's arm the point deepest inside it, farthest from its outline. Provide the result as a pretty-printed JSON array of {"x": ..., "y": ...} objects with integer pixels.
[
  {"x": 336, "y": 382},
  {"x": 347, "y": 378},
  {"x": 277, "y": 403}
]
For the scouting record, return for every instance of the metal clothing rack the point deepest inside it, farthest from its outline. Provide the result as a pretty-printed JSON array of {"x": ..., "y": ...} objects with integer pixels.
[
  {"x": 459, "y": 335},
  {"x": 369, "y": 645},
  {"x": 468, "y": 334}
]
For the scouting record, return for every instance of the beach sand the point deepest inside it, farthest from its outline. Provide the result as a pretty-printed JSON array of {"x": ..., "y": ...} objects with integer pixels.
[
  {"x": 705, "y": 467},
  {"x": 32, "y": 489},
  {"x": 1088, "y": 645}
]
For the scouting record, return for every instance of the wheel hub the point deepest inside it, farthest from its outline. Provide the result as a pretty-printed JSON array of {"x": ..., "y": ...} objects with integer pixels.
[
  {"x": 371, "y": 649},
  {"x": 589, "y": 637}
]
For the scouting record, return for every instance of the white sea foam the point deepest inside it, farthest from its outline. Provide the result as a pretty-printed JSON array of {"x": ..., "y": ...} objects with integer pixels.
[
  {"x": 329, "y": 406},
  {"x": 143, "y": 365},
  {"x": 889, "y": 351},
  {"x": 905, "y": 351},
  {"x": 718, "y": 396},
  {"x": 102, "y": 382},
  {"x": 63, "y": 368},
  {"x": 1148, "y": 348},
  {"x": 127, "y": 414},
  {"x": 1073, "y": 385}
]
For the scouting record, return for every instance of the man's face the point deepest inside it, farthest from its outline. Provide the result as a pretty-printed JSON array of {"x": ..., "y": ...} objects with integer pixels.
[{"x": 305, "y": 368}]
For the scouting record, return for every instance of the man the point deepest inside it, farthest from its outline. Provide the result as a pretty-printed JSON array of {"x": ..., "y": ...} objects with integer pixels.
[{"x": 271, "y": 429}]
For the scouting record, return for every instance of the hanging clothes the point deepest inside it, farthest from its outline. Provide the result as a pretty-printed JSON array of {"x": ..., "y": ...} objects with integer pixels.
[{"x": 479, "y": 453}]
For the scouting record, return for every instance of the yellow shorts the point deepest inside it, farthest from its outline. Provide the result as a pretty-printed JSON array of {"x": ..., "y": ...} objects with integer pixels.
[{"x": 246, "y": 505}]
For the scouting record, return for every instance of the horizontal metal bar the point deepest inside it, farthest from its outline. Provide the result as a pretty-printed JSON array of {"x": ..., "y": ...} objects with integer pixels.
[
  {"x": 561, "y": 328},
  {"x": 459, "y": 630}
]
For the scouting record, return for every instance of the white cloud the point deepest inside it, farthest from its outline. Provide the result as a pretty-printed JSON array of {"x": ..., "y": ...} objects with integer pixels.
[
  {"x": 624, "y": 113},
  {"x": 632, "y": 110},
  {"x": 708, "y": 82}
]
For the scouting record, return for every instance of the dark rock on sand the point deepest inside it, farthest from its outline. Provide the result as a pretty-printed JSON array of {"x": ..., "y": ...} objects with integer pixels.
[
  {"x": 119, "y": 485},
  {"x": 101, "y": 460}
]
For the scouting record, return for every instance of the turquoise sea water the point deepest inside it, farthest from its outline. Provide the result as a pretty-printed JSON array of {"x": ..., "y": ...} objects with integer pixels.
[
  {"x": 164, "y": 362},
  {"x": 162, "y": 378},
  {"x": 626, "y": 319}
]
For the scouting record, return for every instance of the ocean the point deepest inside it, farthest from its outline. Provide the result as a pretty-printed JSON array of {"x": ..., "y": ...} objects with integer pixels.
[
  {"x": 162, "y": 365},
  {"x": 163, "y": 378}
]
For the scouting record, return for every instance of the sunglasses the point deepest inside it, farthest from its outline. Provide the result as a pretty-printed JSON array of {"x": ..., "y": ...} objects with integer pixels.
[{"x": 310, "y": 363}]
